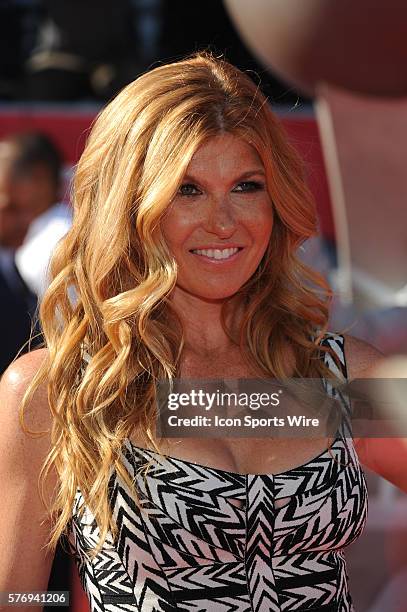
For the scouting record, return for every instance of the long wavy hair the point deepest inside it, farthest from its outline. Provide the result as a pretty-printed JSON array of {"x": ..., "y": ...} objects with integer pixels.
[{"x": 112, "y": 274}]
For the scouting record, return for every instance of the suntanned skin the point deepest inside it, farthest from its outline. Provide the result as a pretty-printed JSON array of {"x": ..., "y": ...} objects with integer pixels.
[
  {"x": 23, "y": 565},
  {"x": 387, "y": 457},
  {"x": 216, "y": 215}
]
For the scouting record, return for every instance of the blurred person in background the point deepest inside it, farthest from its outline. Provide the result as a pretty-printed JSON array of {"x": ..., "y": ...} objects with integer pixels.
[
  {"x": 40, "y": 164},
  {"x": 31, "y": 223}
]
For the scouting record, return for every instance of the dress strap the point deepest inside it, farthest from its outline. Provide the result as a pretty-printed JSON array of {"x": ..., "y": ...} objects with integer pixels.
[{"x": 336, "y": 344}]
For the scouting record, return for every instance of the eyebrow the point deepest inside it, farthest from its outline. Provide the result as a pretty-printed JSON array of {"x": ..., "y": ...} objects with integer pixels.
[{"x": 249, "y": 173}]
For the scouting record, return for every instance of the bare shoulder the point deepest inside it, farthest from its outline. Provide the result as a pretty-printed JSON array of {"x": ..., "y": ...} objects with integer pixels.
[
  {"x": 25, "y": 562},
  {"x": 361, "y": 357},
  {"x": 22, "y": 454},
  {"x": 21, "y": 372},
  {"x": 13, "y": 385},
  {"x": 27, "y": 364}
]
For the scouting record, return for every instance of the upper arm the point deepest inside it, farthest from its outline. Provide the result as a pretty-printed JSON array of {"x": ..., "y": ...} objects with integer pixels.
[
  {"x": 361, "y": 357},
  {"x": 385, "y": 456},
  {"x": 24, "y": 564}
]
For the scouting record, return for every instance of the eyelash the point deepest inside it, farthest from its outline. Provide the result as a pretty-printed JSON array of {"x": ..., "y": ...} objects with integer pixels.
[{"x": 254, "y": 186}]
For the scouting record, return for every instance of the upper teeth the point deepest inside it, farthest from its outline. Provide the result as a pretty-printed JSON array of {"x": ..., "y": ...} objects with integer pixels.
[{"x": 216, "y": 253}]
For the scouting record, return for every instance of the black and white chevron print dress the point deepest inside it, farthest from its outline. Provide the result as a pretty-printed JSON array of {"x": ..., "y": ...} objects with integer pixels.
[{"x": 211, "y": 539}]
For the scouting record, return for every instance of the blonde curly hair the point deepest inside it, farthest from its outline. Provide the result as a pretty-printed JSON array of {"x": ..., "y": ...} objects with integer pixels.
[{"x": 112, "y": 274}]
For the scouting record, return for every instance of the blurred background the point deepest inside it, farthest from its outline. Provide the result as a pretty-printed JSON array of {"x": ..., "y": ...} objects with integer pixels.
[{"x": 333, "y": 81}]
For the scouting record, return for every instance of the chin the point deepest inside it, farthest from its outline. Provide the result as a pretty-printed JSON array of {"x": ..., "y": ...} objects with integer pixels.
[
  {"x": 217, "y": 294},
  {"x": 207, "y": 291}
]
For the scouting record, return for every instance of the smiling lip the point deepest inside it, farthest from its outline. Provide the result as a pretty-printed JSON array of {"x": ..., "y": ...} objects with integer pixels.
[
  {"x": 215, "y": 253},
  {"x": 221, "y": 247}
]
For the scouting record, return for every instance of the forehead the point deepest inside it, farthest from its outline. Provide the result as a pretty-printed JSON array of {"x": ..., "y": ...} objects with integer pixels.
[{"x": 224, "y": 155}]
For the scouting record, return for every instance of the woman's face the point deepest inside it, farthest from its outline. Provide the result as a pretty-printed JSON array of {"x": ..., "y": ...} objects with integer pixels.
[{"x": 219, "y": 224}]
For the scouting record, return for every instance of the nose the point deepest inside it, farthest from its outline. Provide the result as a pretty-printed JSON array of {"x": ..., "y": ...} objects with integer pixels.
[{"x": 221, "y": 218}]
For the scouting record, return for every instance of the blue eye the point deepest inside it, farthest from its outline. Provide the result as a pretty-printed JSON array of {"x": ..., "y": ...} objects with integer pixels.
[
  {"x": 249, "y": 186},
  {"x": 188, "y": 189}
]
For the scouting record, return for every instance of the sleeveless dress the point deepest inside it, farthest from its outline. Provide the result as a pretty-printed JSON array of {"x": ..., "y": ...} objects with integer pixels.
[{"x": 212, "y": 540}]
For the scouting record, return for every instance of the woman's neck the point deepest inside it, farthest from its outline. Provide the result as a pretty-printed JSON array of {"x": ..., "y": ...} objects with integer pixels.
[{"x": 201, "y": 320}]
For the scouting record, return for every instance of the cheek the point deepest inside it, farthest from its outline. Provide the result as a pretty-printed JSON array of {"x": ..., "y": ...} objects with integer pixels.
[
  {"x": 259, "y": 222},
  {"x": 176, "y": 227}
]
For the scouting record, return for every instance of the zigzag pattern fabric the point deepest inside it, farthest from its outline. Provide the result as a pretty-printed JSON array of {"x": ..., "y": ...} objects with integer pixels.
[{"x": 207, "y": 539}]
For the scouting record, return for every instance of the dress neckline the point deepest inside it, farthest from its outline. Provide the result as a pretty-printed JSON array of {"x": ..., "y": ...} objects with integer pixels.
[{"x": 200, "y": 466}]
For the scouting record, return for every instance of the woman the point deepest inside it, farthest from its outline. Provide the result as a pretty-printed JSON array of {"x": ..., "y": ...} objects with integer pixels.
[{"x": 189, "y": 207}]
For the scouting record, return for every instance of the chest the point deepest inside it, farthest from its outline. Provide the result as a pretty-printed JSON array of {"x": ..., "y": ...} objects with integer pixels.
[
  {"x": 245, "y": 455},
  {"x": 230, "y": 364}
]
